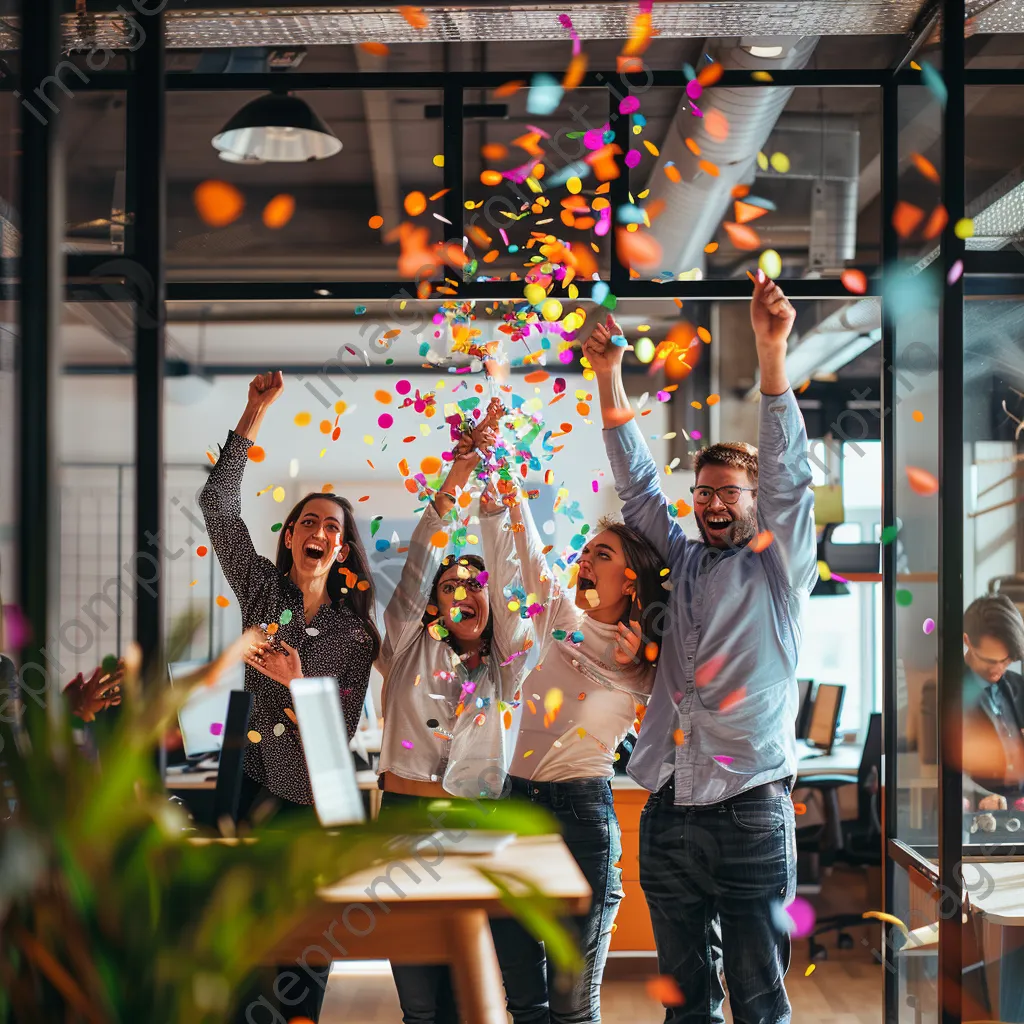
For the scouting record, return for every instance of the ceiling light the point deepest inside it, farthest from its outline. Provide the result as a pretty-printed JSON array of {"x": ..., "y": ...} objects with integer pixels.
[
  {"x": 276, "y": 128},
  {"x": 231, "y": 157},
  {"x": 765, "y": 51},
  {"x": 768, "y": 47}
]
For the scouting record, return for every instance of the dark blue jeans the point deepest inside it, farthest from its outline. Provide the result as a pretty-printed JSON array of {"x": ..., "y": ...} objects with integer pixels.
[
  {"x": 537, "y": 993},
  {"x": 716, "y": 879}
]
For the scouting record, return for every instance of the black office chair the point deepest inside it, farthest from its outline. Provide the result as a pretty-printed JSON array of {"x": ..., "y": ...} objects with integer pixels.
[
  {"x": 230, "y": 771},
  {"x": 857, "y": 843}
]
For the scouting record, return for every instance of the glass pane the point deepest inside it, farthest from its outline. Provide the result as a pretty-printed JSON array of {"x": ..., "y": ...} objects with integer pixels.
[
  {"x": 9, "y": 400},
  {"x": 100, "y": 571},
  {"x": 308, "y": 220},
  {"x": 727, "y": 174},
  {"x": 993, "y": 583},
  {"x": 916, "y": 968},
  {"x": 95, "y": 155}
]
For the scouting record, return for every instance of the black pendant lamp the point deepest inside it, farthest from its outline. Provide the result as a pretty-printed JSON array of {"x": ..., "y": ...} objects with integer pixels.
[{"x": 276, "y": 128}]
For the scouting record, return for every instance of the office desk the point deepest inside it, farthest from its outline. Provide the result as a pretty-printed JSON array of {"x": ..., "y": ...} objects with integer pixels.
[
  {"x": 844, "y": 760},
  {"x": 416, "y": 918}
]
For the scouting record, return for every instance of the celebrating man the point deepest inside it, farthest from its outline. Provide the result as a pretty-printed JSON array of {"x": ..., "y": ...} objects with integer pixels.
[{"x": 717, "y": 749}]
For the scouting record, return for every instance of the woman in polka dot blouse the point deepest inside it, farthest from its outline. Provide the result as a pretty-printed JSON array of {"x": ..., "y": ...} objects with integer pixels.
[{"x": 315, "y": 602}]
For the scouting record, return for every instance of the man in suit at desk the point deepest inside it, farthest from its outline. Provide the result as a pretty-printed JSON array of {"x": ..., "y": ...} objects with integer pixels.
[{"x": 994, "y": 702}]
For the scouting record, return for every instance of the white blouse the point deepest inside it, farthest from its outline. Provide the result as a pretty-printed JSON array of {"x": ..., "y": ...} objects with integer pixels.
[
  {"x": 443, "y": 723},
  {"x": 578, "y": 703}
]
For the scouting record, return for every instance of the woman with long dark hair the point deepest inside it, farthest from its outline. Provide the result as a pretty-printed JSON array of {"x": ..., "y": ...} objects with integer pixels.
[
  {"x": 315, "y": 604},
  {"x": 452, "y": 674},
  {"x": 597, "y": 652}
]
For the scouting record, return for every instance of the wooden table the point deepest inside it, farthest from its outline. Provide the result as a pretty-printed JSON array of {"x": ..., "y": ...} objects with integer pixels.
[{"x": 399, "y": 912}]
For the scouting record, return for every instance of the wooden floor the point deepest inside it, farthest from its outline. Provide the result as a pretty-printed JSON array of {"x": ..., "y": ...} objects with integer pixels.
[{"x": 844, "y": 989}]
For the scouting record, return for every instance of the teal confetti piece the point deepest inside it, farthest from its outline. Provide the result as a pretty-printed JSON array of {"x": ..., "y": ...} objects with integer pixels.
[
  {"x": 599, "y": 292},
  {"x": 934, "y": 82},
  {"x": 577, "y": 541},
  {"x": 619, "y": 340},
  {"x": 559, "y": 634},
  {"x": 629, "y": 214},
  {"x": 360, "y": 310},
  {"x": 545, "y": 94}
]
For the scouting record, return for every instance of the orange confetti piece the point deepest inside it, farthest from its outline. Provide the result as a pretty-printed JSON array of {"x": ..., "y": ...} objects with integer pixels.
[
  {"x": 746, "y": 212},
  {"x": 328, "y": 488},
  {"x": 377, "y": 49},
  {"x": 384, "y": 397},
  {"x": 906, "y": 217},
  {"x": 854, "y": 281},
  {"x": 704, "y": 334},
  {"x": 279, "y": 211},
  {"x": 740, "y": 191},
  {"x": 376, "y": 221},
  {"x": 693, "y": 146},
  {"x": 678, "y": 736},
  {"x": 415, "y": 203},
  {"x": 937, "y": 222},
  {"x": 682, "y": 509},
  {"x": 708, "y": 670},
  {"x": 536, "y": 377},
  {"x": 741, "y": 236},
  {"x": 582, "y": 408},
  {"x": 711, "y": 247},
  {"x": 218, "y": 203},
  {"x": 672, "y": 173},
  {"x": 665, "y": 990},
  {"x": 762, "y": 541},
  {"x": 417, "y": 19},
  {"x": 222, "y": 601},
  {"x": 800, "y": 808},
  {"x": 708, "y": 168},
  {"x": 575, "y": 71},
  {"x": 651, "y": 651},
  {"x": 490, "y": 177},
  {"x": 508, "y": 89},
  {"x": 925, "y": 166},
  {"x": 202, "y": 551},
  {"x": 921, "y": 481},
  {"x": 494, "y": 151},
  {"x": 290, "y": 715},
  {"x": 917, "y": 416},
  {"x": 733, "y": 699},
  {"x": 710, "y": 73},
  {"x": 638, "y": 248},
  {"x": 365, "y": 497},
  {"x": 717, "y": 125},
  {"x": 437, "y": 195},
  {"x": 430, "y": 465},
  {"x": 256, "y": 454},
  {"x": 714, "y": 399},
  {"x": 363, "y": 585},
  {"x": 490, "y": 257}
]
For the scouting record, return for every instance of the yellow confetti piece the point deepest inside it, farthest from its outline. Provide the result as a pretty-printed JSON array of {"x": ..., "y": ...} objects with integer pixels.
[
  {"x": 278, "y": 494},
  {"x": 193, "y": 583},
  {"x": 917, "y": 416},
  {"x": 553, "y": 700},
  {"x": 527, "y": 754},
  {"x": 880, "y": 915},
  {"x": 368, "y": 438},
  {"x": 809, "y": 971},
  {"x": 340, "y": 407},
  {"x": 439, "y": 160},
  {"x": 652, "y": 148},
  {"x": 303, "y": 419},
  {"x": 254, "y": 736}
]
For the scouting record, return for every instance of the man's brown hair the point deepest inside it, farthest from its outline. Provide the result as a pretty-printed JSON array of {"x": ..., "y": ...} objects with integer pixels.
[{"x": 737, "y": 454}]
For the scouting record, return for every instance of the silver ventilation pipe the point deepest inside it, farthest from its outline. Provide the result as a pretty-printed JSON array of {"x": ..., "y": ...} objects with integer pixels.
[{"x": 694, "y": 207}]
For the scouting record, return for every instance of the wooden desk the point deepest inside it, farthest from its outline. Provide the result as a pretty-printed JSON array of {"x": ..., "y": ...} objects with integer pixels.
[
  {"x": 399, "y": 912},
  {"x": 844, "y": 760}
]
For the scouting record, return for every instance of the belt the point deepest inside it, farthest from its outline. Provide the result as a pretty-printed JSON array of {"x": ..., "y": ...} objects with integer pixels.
[{"x": 765, "y": 791}]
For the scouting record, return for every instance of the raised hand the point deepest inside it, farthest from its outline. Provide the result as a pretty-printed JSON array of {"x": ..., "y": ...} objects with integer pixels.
[
  {"x": 101, "y": 691},
  {"x": 604, "y": 356},
  {"x": 266, "y": 388},
  {"x": 627, "y": 643},
  {"x": 280, "y": 665},
  {"x": 771, "y": 315}
]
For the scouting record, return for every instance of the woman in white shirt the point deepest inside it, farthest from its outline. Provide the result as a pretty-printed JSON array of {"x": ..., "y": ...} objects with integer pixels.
[
  {"x": 579, "y": 703},
  {"x": 451, "y": 682}
]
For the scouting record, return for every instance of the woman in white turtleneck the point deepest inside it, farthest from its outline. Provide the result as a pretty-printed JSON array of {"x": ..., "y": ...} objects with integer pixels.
[{"x": 579, "y": 703}]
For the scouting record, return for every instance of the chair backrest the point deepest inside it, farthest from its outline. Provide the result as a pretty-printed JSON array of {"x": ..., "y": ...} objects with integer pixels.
[
  {"x": 232, "y": 757},
  {"x": 869, "y": 775}
]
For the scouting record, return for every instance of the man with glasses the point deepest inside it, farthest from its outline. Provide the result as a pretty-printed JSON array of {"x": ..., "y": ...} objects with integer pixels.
[
  {"x": 717, "y": 748},
  {"x": 994, "y": 702}
]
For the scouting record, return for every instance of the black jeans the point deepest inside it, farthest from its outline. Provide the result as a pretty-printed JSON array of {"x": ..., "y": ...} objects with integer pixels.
[
  {"x": 537, "y": 993},
  {"x": 301, "y": 986},
  {"x": 425, "y": 991},
  {"x": 716, "y": 879}
]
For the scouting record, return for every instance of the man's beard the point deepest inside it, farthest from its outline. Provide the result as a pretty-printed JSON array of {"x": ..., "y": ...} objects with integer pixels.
[{"x": 742, "y": 531}]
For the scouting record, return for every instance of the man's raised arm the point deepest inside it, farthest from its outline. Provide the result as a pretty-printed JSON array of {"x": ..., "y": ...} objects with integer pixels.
[{"x": 645, "y": 507}]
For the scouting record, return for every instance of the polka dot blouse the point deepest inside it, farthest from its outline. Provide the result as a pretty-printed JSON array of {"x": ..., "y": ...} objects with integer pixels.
[{"x": 335, "y": 643}]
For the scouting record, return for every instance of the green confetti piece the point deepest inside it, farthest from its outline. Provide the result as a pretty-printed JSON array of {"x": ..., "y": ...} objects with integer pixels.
[
  {"x": 469, "y": 403},
  {"x": 276, "y": 527},
  {"x": 585, "y": 529},
  {"x": 375, "y": 525},
  {"x": 286, "y": 617},
  {"x": 889, "y": 534},
  {"x": 559, "y": 634},
  {"x": 609, "y": 301},
  {"x": 904, "y": 598},
  {"x": 109, "y": 663}
]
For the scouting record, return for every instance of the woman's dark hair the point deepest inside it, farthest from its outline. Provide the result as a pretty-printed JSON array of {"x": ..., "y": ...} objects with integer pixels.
[
  {"x": 997, "y": 616},
  {"x": 362, "y": 603},
  {"x": 447, "y": 562},
  {"x": 649, "y": 601}
]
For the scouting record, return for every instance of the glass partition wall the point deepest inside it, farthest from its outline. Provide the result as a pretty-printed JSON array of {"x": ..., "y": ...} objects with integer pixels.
[{"x": 927, "y": 272}]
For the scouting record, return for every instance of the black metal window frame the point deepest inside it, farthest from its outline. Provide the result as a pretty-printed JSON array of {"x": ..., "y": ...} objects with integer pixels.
[{"x": 146, "y": 85}]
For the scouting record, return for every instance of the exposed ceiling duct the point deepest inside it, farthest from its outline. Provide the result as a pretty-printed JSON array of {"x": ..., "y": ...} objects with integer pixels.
[
  {"x": 695, "y": 206},
  {"x": 467, "y": 22},
  {"x": 842, "y": 336}
]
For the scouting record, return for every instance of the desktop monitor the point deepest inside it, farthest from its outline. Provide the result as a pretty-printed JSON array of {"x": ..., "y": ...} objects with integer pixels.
[
  {"x": 828, "y": 703},
  {"x": 332, "y": 772},
  {"x": 803, "y": 715},
  {"x": 202, "y": 717}
]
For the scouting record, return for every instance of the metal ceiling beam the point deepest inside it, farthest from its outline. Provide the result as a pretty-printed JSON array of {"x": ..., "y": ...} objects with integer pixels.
[{"x": 380, "y": 133}]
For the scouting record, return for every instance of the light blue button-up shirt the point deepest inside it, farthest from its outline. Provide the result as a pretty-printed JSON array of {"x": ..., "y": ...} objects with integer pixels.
[{"x": 721, "y": 715}]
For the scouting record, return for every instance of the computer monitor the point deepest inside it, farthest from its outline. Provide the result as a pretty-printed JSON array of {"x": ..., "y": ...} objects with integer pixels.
[
  {"x": 803, "y": 715},
  {"x": 828, "y": 703},
  {"x": 332, "y": 772},
  {"x": 202, "y": 717}
]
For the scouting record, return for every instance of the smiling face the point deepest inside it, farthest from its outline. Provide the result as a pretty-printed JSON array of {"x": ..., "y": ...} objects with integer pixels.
[
  {"x": 602, "y": 586},
  {"x": 462, "y": 603},
  {"x": 724, "y": 525},
  {"x": 989, "y": 658},
  {"x": 317, "y": 539}
]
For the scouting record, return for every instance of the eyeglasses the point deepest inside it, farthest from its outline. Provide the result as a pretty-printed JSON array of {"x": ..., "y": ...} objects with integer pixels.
[
  {"x": 728, "y": 495},
  {"x": 990, "y": 662},
  {"x": 449, "y": 587}
]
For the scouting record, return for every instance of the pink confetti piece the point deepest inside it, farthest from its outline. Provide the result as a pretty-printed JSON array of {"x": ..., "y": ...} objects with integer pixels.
[
  {"x": 630, "y": 104},
  {"x": 955, "y": 272},
  {"x": 604, "y": 223},
  {"x": 403, "y": 387},
  {"x": 633, "y": 158},
  {"x": 694, "y": 89},
  {"x": 501, "y": 231},
  {"x": 724, "y": 759},
  {"x": 482, "y": 578},
  {"x": 928, "y": 627},
  {"x": 594, "y": 486},
  {"x": 408, "y": 744},
  {"x": 216, "y": 728},
  {"x": 385, "y": 420},
  {"x": 696, "y": 435},
  {"x": 663, "y": 396}
]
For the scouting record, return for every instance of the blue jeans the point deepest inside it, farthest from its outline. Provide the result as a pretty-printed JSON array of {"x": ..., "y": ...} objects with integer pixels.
[
  {"x": 537, "y": 993},
  {"x": 716, "y": 879}
]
